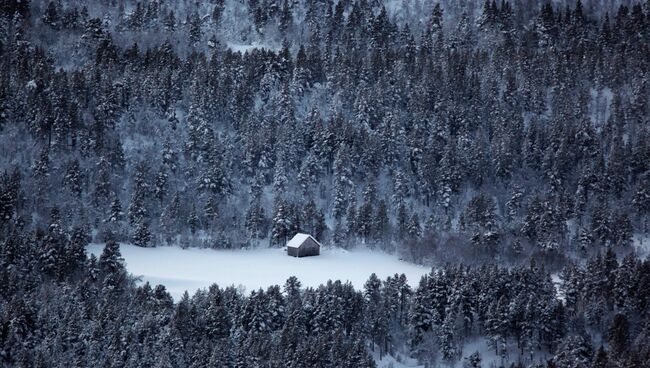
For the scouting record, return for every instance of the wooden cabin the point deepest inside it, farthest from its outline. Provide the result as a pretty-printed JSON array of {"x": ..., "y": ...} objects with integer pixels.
[{"x": 303, "y": 245}]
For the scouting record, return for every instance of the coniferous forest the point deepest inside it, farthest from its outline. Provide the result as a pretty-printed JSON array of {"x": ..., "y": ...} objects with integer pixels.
[{"x": 504, "y": 144}]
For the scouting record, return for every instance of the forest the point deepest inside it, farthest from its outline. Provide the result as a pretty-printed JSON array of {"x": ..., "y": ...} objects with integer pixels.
[{"x": 504, "y": 144}]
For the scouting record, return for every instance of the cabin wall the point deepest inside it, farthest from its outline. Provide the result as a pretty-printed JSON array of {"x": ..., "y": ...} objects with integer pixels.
[
  {"x": 310, "y": 248},
  {"x": 294, "y": 252},
  {"x": 306, "y": 249}
]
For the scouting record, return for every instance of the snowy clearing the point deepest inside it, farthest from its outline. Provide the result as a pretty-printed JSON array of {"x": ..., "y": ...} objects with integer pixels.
[
  {"x": 190, "y": 269},
  {"x": 388, "y": 361},
  {"x": 243, "y": 48}
]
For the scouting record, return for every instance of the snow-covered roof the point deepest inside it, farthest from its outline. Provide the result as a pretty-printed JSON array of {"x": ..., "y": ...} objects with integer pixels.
[{"x": 300, "y": 238}]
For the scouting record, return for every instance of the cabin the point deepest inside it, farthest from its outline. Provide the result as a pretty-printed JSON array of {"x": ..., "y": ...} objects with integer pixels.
[{"x": 303, "y": 245}]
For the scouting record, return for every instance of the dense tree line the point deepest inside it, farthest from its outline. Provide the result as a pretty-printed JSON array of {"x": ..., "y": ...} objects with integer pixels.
[
  {"x": 59, "y": 307},
  {"x": 508, "y": 135}
]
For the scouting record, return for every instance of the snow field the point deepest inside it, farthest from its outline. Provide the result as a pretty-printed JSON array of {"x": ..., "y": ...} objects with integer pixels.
[{"x": 194, "y": 268}]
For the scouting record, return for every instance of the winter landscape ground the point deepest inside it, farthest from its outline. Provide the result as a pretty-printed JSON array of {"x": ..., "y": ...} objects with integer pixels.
[
  {"x": 190, "y": 269},
  {"x": 477, "y": 173}
]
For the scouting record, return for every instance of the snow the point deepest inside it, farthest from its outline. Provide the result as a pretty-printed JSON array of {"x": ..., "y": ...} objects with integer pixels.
[
  {"x": 641, "y": 244},
  {"x": 557, "y": 282},
  {"x": 243, "y": 48},
  {"x": 298, "y": 239},
  {"x": 473, "y": 344},
  {"x": 194, "y": 268},
  {"x": 389, "y": 361},
  {"x": 489, "y": 358}
]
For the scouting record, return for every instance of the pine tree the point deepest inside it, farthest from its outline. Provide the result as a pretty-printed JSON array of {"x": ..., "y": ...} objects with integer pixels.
[
  {"x": 41, "y": 170},
  {"x": 217, "y": 11},
  {"x": 160, "y": 186},
  {"x": 585, "y": 240},
  {"x": 380, "y": 220},
  {"x": 75, "y": 249},
  {"x": 414, "y": 228},
  {"x": 617, "y": 169},
  {"x": 102, "y": 190},
  {"x": 447, "y": 336},
  {"x": 211, "y": 210},
  {"x": 286, "y": 17},
  {"x": 7, "y": 200},
  {"x": 364, "y": 221},
  {"x": 137, "y": 210},
  {"x": 51, "y": 16},
  {"x": 195, "y": 31},
  {"x": 402, "y": 221},
  {"x": 435, "y": 29},
  {"x": 73, "y": 178},
  {"x": 170, "y": 216},
  {"x": 52, "y": 255},
  {"x": 619, "y": 335},
  {"x": 280, "y": 180},
  {"x": 343, "y": 181},
  {"x": 351, "y": 218},
  {"x": 193, "y": 220},
  {"x": 111, "y": 260},
  {"x": 170, "y": 22},
  {"x": 421, "y": 314},
  {"x": 481, "y": 212},
  {"x": 281, "y": 223},
  {"x": 600, "y": 359},
  {"x": 115, "y": 215},
  {"x": 449, "y": 176},
  {"x": 400, "y": 189},
  {"x": 308, "y": 175},
  {"x": 641, "y": 200},
  {"x": 601, "y": 223},
  {"x": 169, "y": 158},
  {"x": 514, "y": 203},
  {"x": 375, "y": 315},
  {"x": 497, "y": 325},
  {"x": 574, "y": 351},
  {"x": 217, "y": 320},
  {"x": 622, "y": 230},
  {"x": 142, "y": 235},
  {"x": 255, "y": 221},
  {"x": 213, "y": 178}
]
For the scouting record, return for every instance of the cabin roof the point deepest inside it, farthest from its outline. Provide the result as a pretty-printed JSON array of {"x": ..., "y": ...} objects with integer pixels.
[{"x": 300, "y": 238}]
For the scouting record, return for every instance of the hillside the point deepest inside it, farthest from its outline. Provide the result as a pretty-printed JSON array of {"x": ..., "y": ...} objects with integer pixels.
[{"x": 504, "y": 145}]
